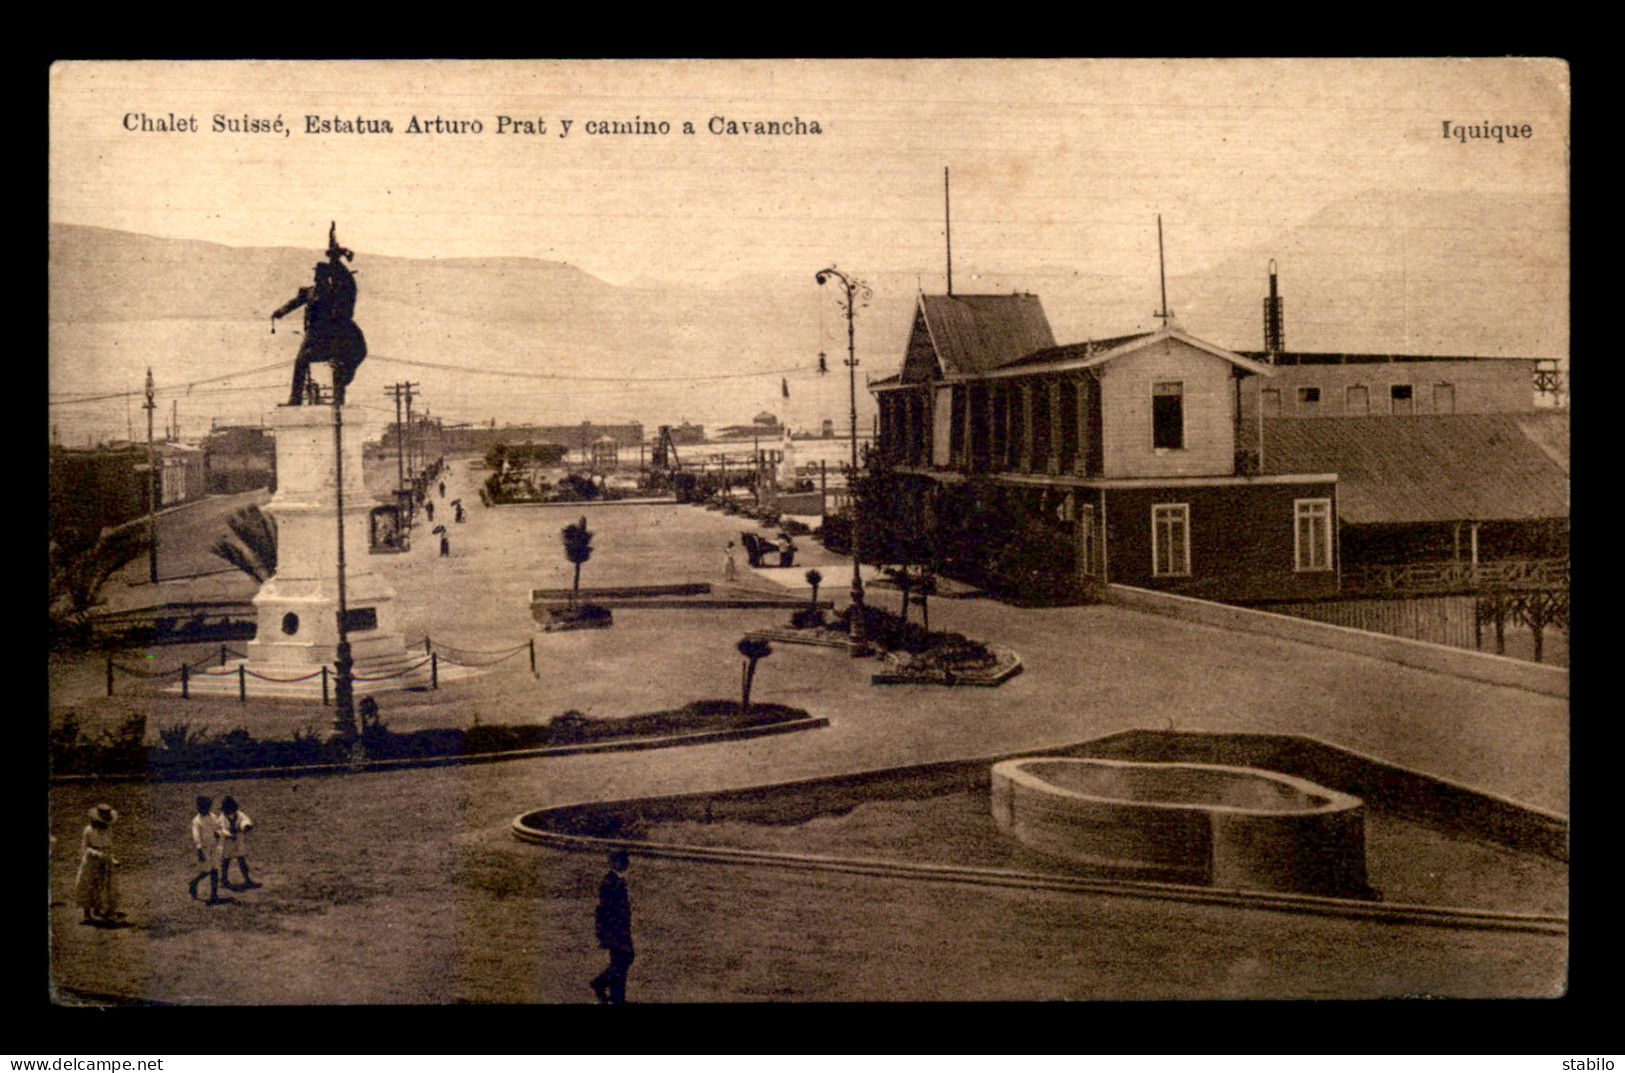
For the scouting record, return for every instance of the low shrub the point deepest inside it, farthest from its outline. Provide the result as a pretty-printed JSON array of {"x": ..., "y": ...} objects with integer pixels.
[
  {"x": 807, "y": 618},
  {"x": 185, "y": 752},
  {"x": 888, "y": 631},
  {"x": 581, "y": 616}
]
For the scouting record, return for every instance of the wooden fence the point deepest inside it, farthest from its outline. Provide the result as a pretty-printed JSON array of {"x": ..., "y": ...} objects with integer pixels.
[
  {"x": 1457, "y": 577},
  {"x": 1469, "y": 622}
]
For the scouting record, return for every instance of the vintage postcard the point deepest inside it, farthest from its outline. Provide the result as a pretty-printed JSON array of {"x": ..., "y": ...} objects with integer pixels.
[{"x": 808, "y": 531}]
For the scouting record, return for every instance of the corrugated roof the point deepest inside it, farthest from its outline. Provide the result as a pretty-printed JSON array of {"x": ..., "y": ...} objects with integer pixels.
[
  {"x": 976, "y": 333},
  {"x": 1311, "y": 357},
  {"x": 1423, "y": 468},
  {"x": 1549, "y": 429}
]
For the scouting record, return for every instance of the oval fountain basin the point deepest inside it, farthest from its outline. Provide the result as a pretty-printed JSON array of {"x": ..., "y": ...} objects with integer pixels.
[{"x": 1209, "y": 824}]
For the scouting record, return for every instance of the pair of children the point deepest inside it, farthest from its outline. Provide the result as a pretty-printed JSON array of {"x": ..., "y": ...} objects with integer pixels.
[{"x": 218, "y": 837}]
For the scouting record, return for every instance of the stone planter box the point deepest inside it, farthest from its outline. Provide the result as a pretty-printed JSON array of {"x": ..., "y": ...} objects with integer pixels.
[
  {"x": 900, "y": 670},
  {"x": 821, "y": 638},
  {"x": 580, "y": 617}
]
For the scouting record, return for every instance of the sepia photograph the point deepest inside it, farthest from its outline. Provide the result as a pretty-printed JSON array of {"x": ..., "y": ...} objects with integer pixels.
[{"x": 808, "y": 531}]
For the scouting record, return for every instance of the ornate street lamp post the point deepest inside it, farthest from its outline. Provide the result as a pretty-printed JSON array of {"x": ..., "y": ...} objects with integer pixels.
[
  {"x": 343, "y": 662},
  {"x": 855, "y": 288}
]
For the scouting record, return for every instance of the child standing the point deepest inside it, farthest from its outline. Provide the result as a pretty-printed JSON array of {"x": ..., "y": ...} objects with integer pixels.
[
  {"x": 233, "y": 827},
  {"x": 206, "y": 839}
]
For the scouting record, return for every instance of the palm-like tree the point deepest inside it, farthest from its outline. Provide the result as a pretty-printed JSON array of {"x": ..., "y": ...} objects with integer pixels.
[
  {"x": 578, "y": 549},
  {"x": 814, "y": 578},
  {"x": 79, "y": 578},
  {"x": 753, "y": 649},
  {"x": 255, "y": 554}
]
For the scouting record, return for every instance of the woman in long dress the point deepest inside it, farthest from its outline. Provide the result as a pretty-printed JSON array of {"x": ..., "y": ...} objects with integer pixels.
[{"x": 93, "y": 887}]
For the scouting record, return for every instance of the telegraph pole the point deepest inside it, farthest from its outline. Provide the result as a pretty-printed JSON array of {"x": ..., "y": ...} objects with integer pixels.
[
  {"x": 152, "y": 489},
  {"x": 412, "y": 436},
  {"x": 399, "y": 392}
]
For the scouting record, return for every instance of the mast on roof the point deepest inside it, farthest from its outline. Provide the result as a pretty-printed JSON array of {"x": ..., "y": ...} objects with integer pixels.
[
  {"x": 948, "y": 230},
  {"x": 1162, "y": 276}
]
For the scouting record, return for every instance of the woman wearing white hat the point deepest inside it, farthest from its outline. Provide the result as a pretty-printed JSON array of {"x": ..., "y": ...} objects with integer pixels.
[{"x": 93, "y": 887}]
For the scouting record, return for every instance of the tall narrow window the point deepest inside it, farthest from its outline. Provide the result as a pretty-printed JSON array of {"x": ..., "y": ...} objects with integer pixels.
[
  {"x": 1312, "y": 536},
  {"x": 1086, "y": 539},
  {"x": 1358, "y": 402},
  {"x": 1444, "y": 398},
  {"x": 1399, "y": 398},
  {"x": 1271, "y": 401},
  {"x": 1170, "y": 540},
  {"x": 1309, "y": 400},
  {"x": 1168, "y": 416}
]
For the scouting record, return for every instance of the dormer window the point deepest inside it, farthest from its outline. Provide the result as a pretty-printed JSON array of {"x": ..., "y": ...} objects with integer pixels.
[{"x": 1168, "y": 415}]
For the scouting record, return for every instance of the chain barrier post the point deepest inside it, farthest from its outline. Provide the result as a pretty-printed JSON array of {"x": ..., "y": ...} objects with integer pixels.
[
  {"x": 186, "y": 678},
  {"x": 242, "y": 682},
  {"x": 533, "y": 657},
  {"x": 324, "y": 685},
  {"x": 222, "y": 655},
  {"x": 426, "y": 646},
  {"x": 110, "y": 674},
  {"x": 434, "y": 670}
]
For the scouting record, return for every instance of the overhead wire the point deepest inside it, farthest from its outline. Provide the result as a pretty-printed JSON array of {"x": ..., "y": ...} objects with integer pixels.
[{"x": 588, "y": 379}]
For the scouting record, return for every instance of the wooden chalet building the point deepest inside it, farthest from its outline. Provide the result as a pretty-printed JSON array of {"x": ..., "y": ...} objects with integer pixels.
[{"x": 1042, "y": 468}]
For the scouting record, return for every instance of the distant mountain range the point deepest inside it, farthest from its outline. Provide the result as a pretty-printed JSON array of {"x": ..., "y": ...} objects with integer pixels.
[{"x": 1479, "y": 274}]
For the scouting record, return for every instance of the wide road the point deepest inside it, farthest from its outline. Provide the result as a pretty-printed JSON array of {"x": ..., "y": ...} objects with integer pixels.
[{"x": 406, "y": 887}]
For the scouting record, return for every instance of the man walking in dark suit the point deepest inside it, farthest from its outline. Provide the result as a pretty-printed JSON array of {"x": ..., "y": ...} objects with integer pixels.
[{"x": 614, "y": 926}]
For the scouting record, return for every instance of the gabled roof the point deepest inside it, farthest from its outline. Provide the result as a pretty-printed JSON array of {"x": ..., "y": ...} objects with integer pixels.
[
  {"x": 1099, "y": 352},
  {"x": 976, "y": 333},
  {"x": 1074, "y": 351},
  {"x": 1425, "y": 467}
]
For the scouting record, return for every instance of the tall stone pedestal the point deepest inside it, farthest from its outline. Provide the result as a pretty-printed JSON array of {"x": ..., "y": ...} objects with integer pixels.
[
  {"x": 298, "y": 632},
  {"x": 298, "y": 607}
]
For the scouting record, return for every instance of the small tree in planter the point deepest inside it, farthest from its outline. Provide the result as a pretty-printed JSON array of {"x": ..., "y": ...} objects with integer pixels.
[
  {"x": 811, "y": 616},
  {"x": 577, "y": 549},
  {"x": 926, "y": 586},
  {"x": 753, "y": 649},
  {"x": 904, "y": 579}
]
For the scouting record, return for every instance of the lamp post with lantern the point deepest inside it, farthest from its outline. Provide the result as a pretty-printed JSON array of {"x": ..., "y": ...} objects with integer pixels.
[{"x": 855, "y": 290}]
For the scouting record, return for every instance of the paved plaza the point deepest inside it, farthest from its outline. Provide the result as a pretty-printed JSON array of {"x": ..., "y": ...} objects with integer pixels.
[{"x": 406, "y": 886}]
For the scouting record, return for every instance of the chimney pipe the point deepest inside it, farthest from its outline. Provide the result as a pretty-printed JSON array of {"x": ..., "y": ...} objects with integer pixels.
[{"x": 1272, "y": 319}]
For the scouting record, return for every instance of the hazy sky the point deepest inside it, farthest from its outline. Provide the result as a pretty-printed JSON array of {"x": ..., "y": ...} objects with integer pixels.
[{"x": 1056, "y": 166}]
